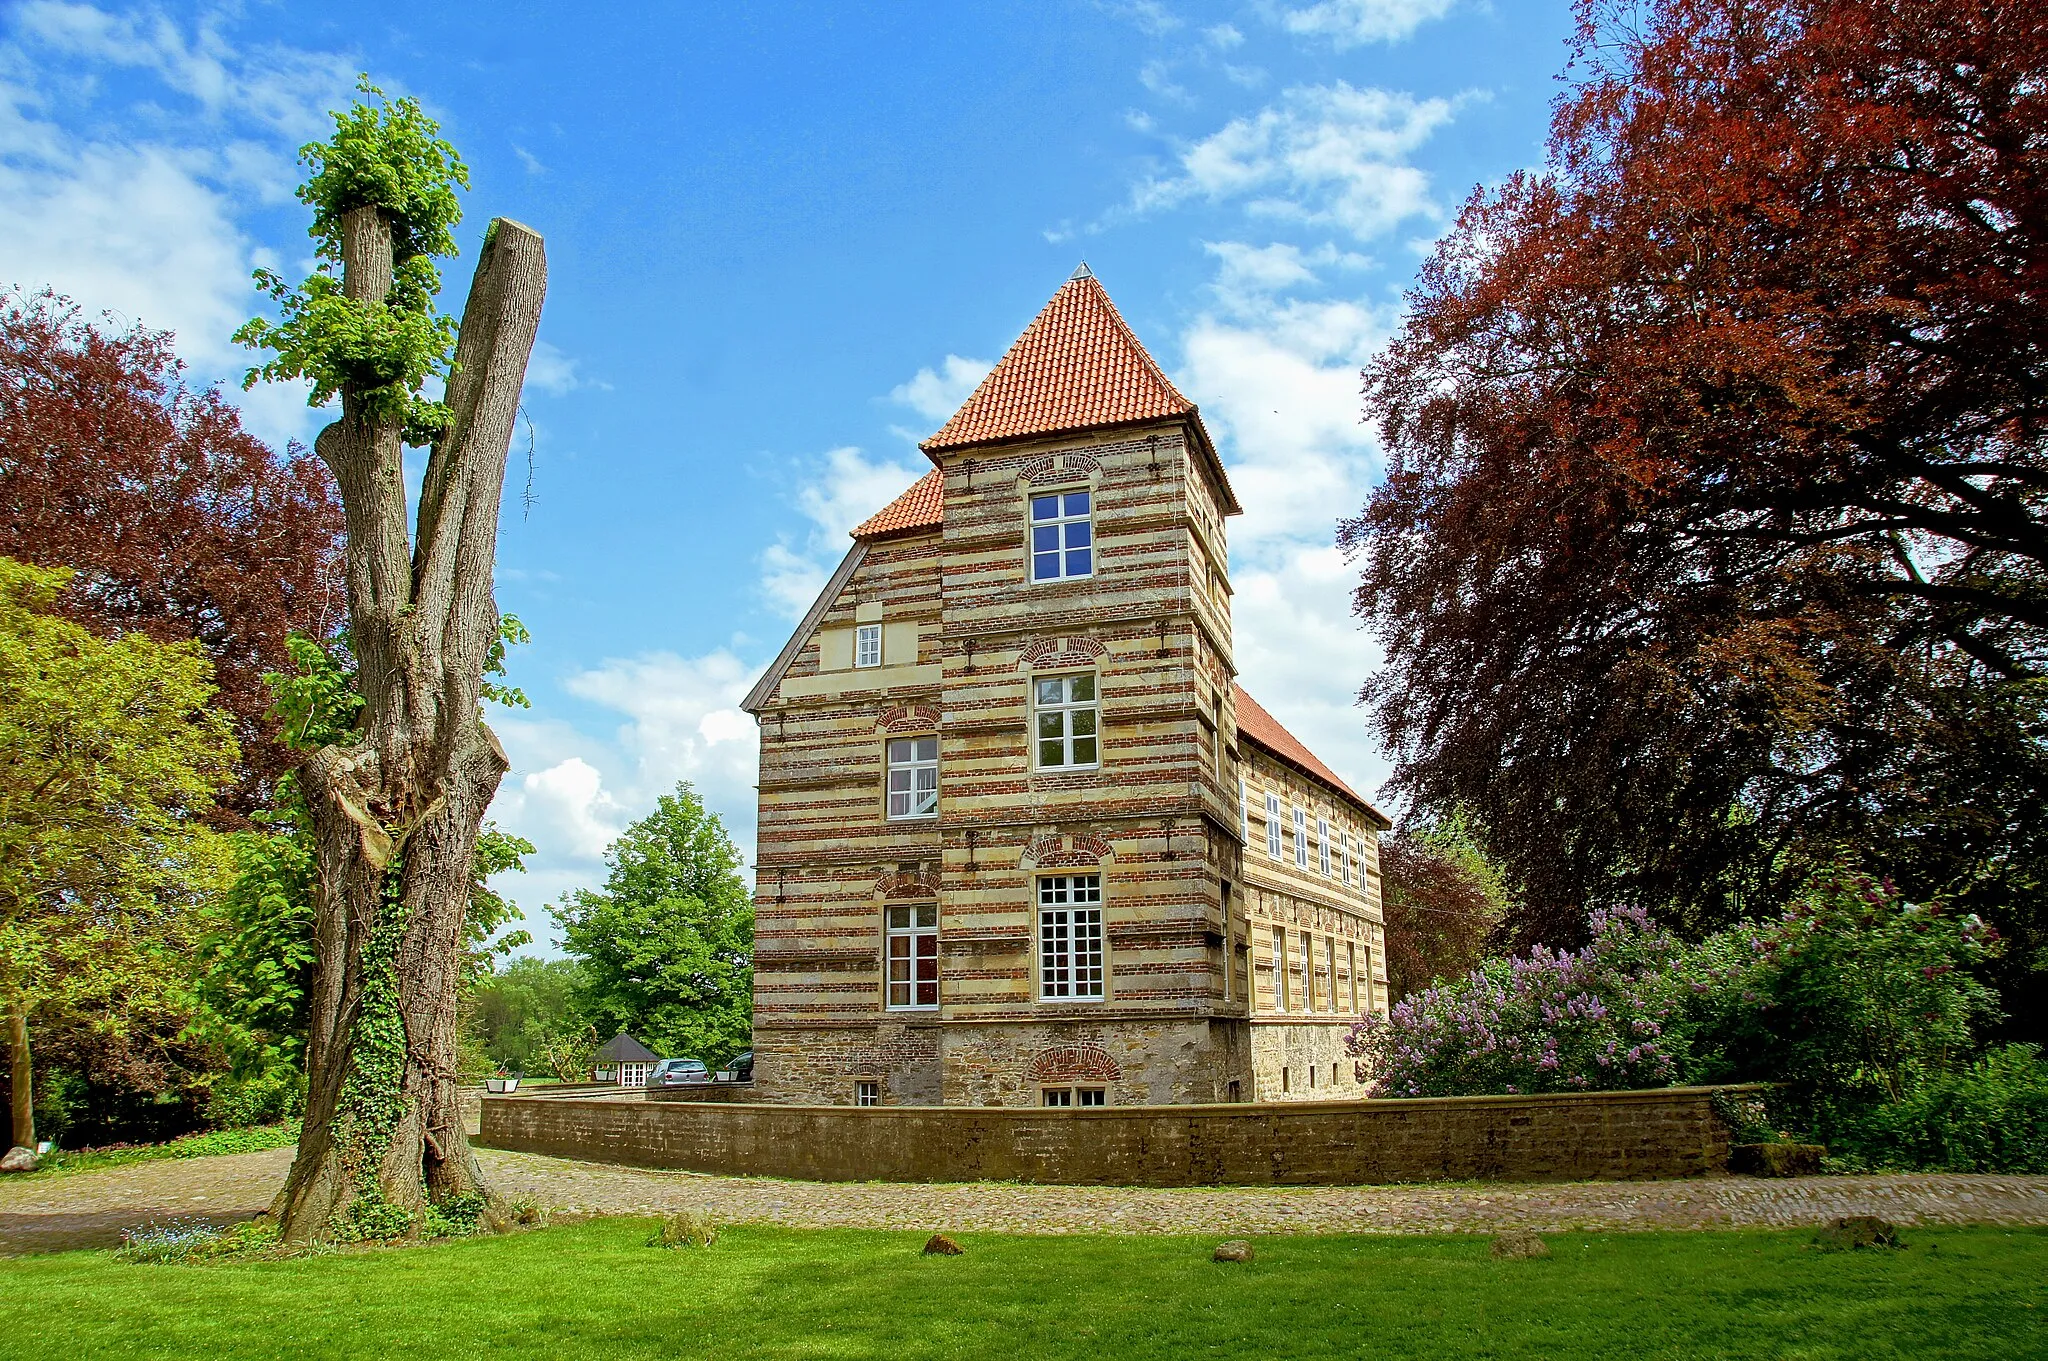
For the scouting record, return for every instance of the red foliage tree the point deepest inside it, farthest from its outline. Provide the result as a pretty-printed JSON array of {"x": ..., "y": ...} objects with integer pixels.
[
  {"x": 1440, "y": 913},
  {"x": 1713, "y": 543},
  {"x": 178, "y": 522}
]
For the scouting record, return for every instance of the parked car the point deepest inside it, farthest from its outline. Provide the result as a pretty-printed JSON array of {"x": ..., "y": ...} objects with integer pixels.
[
  {"x": 678, "y": 1073},
  {"x": 742, "y": 1067}
]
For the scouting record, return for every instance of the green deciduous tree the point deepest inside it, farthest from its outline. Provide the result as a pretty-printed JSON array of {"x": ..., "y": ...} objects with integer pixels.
[
  {"x": 524, "y": 1011},
  {"x": 110, "y": 757},
  {"x": 667, "y": 945}
]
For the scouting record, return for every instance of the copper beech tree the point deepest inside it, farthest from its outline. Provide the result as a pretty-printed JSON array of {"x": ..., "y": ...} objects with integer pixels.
[
  {"x": 396, "y": 807},
  {"x": 175, "y": 521},
  {"x": 1714, "y": 542}
]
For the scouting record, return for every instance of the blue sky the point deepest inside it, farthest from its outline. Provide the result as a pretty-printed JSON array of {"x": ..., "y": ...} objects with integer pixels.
[{"x": 785, "y": 241}]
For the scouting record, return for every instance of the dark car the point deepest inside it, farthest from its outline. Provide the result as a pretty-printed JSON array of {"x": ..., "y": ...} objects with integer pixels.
[
  {"x": 742, "y": 1067},
  {"x": 678, "y": 1073}
]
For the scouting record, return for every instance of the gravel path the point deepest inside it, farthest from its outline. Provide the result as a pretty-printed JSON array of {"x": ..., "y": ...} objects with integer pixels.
[{"x": 88, "y": 1209}]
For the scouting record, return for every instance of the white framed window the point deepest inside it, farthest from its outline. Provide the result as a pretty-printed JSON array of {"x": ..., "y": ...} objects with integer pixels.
[
  {"x": 1308, "y": 972},
  {"x": 867, "y": 1093},
  {"x": 1070, "y": 955},
  {"x": 1330, "y": 957},
  {"x": 1272, "y": 826},
  {"x": 913, "y": 777},
  {"x": 1323, "y": 847},
  {"x": 1062, "y": 536},
  {"x": 1281, "y": 997},
  {"x": 1073, "y": 1096},
  {"x": 1351, "y": 966},
  {"x": 1365, "y": 980},
  {"x": 1067, "y": 713},
  {"x": 913, "y": 939},
  {"x": 867, "y": 644},
  {"x": 1358, "y": 858},
  {"x": 1343, "y": 858},
  {"x": 1300, "y": 839}
]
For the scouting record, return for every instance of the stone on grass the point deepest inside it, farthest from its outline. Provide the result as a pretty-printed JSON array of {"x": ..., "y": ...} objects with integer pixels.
[
  {"x": 1235, "y": 1250},
  {"x": 938, "y": 1245},
  {"x": 1517, "y": 1244},
  {"x": 1858, "y": 1231},
  {"x": 19, "y": 1159},
  {"x": 1777, "y": 1160}
]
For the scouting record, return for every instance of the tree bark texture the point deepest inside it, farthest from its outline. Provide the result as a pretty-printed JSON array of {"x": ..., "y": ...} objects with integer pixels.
[
  {"x": 21, "y": 1075},
  {"x": 395, "y": 813}
]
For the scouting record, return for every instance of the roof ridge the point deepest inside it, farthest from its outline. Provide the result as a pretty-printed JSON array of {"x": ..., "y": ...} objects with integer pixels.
[{"x": 1256, "y": 722}]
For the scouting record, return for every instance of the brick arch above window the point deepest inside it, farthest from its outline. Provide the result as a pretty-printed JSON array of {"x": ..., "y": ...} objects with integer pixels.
[
  {"x": 1074, "y": 1063},
  {"x": 1058, "y": 468},
  {"x": 920, "y": 883},
  {"x": 1057, "y": 653},
  {"x": 908, "y": 718},
  {"x": 1084, "y": 851}
]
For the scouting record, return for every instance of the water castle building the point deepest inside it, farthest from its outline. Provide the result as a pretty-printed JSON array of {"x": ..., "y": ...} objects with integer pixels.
[{"x": 1023, "y": 839}]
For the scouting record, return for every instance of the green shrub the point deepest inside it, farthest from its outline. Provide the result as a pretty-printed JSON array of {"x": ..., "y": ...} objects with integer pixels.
[
  {"x": 268, "y": 1099},
  {"x": 1990, "y": 1117}
]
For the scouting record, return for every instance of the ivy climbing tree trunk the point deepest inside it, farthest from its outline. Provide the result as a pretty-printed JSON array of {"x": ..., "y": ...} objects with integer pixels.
[
  {"x": 396, "y": 810},
  {"x": 21, "y": 1074}
]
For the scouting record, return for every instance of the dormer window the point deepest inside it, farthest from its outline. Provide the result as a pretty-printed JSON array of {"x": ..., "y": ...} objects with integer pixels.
[
  {"x": 867, "y": 645},
  {"x": 1062, "y": 536}
]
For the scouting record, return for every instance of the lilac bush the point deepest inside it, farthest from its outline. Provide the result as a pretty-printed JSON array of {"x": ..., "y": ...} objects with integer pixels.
[{"x": 1594, "y": 1019}]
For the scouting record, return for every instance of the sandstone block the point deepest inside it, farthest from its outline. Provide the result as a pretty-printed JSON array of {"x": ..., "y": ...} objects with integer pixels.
[{"x": 1234, "y": 1250}]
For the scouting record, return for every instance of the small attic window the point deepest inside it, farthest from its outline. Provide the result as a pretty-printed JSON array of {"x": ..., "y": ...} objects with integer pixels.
[{"x": 867, "y": 645}]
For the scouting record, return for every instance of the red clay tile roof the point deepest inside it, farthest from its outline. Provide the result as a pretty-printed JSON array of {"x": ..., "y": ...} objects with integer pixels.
[
  {"x": 917, "y": 511},
  {"x": 1261, "y": 727},
  {"x": 1076, "y": 366}
]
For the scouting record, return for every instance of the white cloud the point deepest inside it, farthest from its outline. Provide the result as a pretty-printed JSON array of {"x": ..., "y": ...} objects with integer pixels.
[
  {"x": 529, "y": 160},
  {"x": 1351, "y": 23},
  {"x": 572, "y": 794},
  {"x": 147, "y": 226},
  {"x": 937, "y": 393},
  {"x": 1322, "y": 155},
  {"x": 839, "y": 490},
  {"x": 1223, "y": 37},
  {"x": 554, "y": 372}
]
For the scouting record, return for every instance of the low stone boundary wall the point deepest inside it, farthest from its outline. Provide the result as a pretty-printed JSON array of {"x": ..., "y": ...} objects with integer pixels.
[{"x": 1672, "y": 1132}]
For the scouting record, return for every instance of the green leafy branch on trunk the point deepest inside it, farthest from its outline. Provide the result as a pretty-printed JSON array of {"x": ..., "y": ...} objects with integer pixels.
[{"x": 388, "y": 155}]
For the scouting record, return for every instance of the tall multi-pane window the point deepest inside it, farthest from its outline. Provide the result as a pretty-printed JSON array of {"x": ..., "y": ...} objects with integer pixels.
[
  {"x": 1351, "y": 967},
  {"x": 913, "y": 957},
  {"x": 1358, "y": 855},
  {"x": 1281, "y": 1000},
  {"x": 1067, "y": 712},
  {"x": 1273, "y": 826},
  {"x": 1062, "y": 536},
  {"x": 1365, "y": 976},
  {"x": 1244, "y": 812},
  {"x": 1070, "y": 964},
  {"x": 867, "y": 645},
  {"x": 1330, "y": 958},
  {"x": 1323, "y": 847},
  {"x": 914, "y": 777},
  {"x": 1343, "y": 859},
  {"x": 1300, "y": 839},
  {"x": 1308, "y": 972}
]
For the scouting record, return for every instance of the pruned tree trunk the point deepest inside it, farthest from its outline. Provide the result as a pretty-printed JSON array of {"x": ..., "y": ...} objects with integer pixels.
[
  {"x": 21, "y": 1075},
  {"x": 395, "y": 814}
]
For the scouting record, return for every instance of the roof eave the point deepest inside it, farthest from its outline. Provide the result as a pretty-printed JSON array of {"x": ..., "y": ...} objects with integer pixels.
[
  {"x": 1380, "y": 819},
  {"x": 1192, "y": 418}
]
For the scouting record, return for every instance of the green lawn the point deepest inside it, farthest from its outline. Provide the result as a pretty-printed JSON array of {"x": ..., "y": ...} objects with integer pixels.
[{"x": 594, "y": 1290}]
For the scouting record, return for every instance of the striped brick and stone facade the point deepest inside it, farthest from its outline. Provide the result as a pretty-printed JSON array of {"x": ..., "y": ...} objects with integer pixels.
[{"x": 1014, "y": 844}]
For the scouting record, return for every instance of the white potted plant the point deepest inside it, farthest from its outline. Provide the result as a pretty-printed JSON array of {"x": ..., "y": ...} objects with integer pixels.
[{"x": 504, "y": 1083}]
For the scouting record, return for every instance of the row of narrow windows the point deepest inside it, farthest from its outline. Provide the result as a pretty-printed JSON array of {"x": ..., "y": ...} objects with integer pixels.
[{"x": 1073, "y": 961}]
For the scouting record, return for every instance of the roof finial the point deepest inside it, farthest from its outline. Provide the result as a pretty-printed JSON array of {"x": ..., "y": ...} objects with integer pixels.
[{"x": 1081, "y": 271}]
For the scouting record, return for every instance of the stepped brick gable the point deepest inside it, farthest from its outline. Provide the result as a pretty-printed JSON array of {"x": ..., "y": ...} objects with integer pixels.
[{"x": 1024, "y": 841}]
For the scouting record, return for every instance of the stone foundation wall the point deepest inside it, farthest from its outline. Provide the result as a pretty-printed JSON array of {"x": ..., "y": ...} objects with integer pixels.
[
  {"x": 1303, "y": 1061},
  {"x": 819, "y": 1066},
  {"x": 1671, "y": 1132}
]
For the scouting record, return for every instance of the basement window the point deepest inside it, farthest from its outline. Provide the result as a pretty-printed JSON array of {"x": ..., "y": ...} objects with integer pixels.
[{"x": 867, "y": 1093}]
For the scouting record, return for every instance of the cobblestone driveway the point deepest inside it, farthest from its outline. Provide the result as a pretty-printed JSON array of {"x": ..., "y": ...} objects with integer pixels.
[{"x": 88, "y": 1209}]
